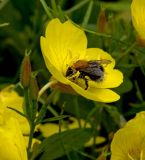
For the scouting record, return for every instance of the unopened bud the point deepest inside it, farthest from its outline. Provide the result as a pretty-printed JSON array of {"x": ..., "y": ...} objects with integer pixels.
[
  {"x": 34, "y": 88},
  {"x": 25, "y": 75},
  {"x": 101, "y": 21}
]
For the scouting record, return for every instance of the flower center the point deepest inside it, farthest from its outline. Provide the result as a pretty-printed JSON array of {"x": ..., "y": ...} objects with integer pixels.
[
  {"x": 136, "y": 156},
  {"x": 87, "y": 70}
]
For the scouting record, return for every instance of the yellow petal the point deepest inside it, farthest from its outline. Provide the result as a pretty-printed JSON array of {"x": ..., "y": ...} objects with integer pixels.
[
  {"x": 99, "y": 54},
  {"x": 96, "y": 94},
  {"x": 98, "y": 140},
  {"x": 129, "y": 141},
  {"x": 124, "y": 141},
  {"x": 111, "y": 79},
  {"x": 10, "y": 98},
  {"x": 76, "y": 124},
  {"x": 64, "y": 42},
  {"x": 54, "y": 70},
  {"x": 137, "y": 123},
  {"x": 49, "y": 129},
  {"x": 12, "y": 144},
  {"x": 138, "y": 16}
]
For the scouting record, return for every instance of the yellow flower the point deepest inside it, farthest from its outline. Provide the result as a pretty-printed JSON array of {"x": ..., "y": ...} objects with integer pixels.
[
  {"x": 49, "y": 129},
  {"x": 10, "y": 98},
  {"x": 64, "y": 49},
  {"x": 12, "y": 145},
  {"x": 129, "y": 142},
  {"x": 138, "y": 16}
]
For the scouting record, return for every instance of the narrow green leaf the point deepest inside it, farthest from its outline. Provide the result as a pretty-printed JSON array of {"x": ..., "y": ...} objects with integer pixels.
[
  {"x": 55, "y": 118},
  {"x": 62, "y": 143},
  {"x": 22, "y": 114}
]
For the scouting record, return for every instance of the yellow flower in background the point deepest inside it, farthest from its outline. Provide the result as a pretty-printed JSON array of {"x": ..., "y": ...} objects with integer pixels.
[
  {"x": 12, "y": 145},
  {"x": 88, "y": 72},
  {"x": 49, "y": 129},
  {"x": 10, "y": 98},
  {"x": 129, "y": 142},
  {"x": 138, "y": 16}
]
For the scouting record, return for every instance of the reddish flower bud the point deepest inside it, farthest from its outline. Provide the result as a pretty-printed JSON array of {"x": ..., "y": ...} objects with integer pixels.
[
  {"x": 101, "y": 21},
  {"x": 25, "y": 75}
]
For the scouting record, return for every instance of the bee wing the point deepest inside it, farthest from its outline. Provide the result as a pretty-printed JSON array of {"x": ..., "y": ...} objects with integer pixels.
[
  {"x": 95, "y": 63},
  {"x": 92, "y": 71}
]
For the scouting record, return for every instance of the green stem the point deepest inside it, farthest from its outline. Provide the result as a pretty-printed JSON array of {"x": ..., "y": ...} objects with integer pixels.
[
  {"x": 61, "y": 139},
  {"x": 90, "y": 31},
  {"x": 35, "y": 109},
  {"x": 27, "y": 108},
  {"x": 32, "y": 129},
  {"x": 84, "y": 154},
  {"x": 52, "y": 111},
  {"x": 46, "y": 8},
  {"x": 54, "y": 6},
  {"x": 45, "y": 87},
  {"x": 138, "y": 92},
  {"x": 4, "y": 24},
  {"x": 97, "y": 33},
  {"x": 88, "y": 14},
  {"x": 77, "y": 111},
  {"x": 139, "y": 63},
  {"x": 77, "y": 6},
  {"x": 127, "y": 51},
  {"x": 93, "y": 111}
]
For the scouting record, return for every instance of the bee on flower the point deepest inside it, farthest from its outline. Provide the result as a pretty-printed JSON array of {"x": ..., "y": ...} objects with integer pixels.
[{"x": 87, "y": 71}]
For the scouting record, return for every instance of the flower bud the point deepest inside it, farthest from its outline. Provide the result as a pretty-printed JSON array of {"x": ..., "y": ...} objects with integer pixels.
[
  {"x": 101, "y": 21},
  {"x": 25, "y": 75}
]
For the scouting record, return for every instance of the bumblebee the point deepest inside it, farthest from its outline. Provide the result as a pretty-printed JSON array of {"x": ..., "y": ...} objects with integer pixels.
[{"x": 92, "y": 69}]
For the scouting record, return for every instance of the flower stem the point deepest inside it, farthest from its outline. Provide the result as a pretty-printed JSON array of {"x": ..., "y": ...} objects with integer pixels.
[
  {"x": 88, "y": 14},
  {"x": 32, "y": 129},
  {"x": 27, "y": 108},
  {"x": 54, "y": 6},
  {"x": 77, "y": 111},
  {"x": 127, "y": 51},
  {"x": 45, "y": 87},
  {"x": 76, "y": 7},
  {"x": 91, "y": 31},
  {"x": 4, "y": 24},
  {"x": 46, "y": 8},
  {"x": 30, "y": 116}
]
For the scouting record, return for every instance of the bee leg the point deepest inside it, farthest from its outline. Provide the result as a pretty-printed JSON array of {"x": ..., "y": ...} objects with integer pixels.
[
  {"x": 82, "y": 76},
  {"x": 86, "y": 83}
]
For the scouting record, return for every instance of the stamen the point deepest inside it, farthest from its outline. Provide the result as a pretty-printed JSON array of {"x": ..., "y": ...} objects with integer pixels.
[
  {"x": 74, "y": 76},
  {"x": 141, "y": 155},
  {"x": 130, "y": 157}
]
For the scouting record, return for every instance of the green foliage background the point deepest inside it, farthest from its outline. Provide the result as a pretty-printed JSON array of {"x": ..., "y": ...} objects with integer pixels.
[{"x": 22, "y": 22}]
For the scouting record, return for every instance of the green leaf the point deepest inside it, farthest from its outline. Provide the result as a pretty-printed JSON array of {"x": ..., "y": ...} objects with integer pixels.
[
  {"x": 62, "y": 143},
  {"x": 55, "y": 118},
  {"x": 22, "y": 114},
  {"x": 113, "y": 112}
]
